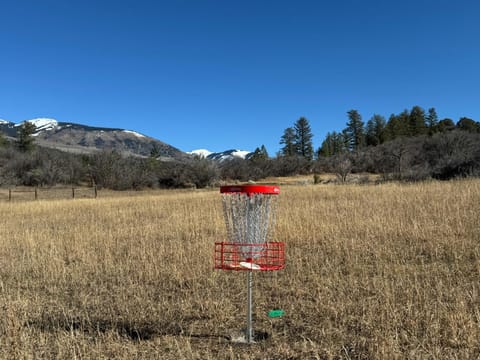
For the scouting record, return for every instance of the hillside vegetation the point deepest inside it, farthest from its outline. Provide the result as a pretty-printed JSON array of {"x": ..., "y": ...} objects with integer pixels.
[
  {"x": 373, "y": 272},
  {"x": 410, "y": 146}
]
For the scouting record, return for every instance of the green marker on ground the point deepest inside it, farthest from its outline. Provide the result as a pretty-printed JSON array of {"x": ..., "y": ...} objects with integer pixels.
[{"x": 276, "y": 313}]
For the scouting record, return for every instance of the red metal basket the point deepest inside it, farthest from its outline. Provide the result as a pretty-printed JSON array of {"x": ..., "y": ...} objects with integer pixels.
[{"x": 268, "y": 256}]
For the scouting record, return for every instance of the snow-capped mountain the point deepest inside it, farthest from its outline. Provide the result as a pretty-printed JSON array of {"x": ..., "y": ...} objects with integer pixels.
[
  {"x": 41, "y": 124},
  {"x": 203, "y": 153},
  {"x": 7, "y": 128},
  {"x": 79, "y": 138},
  {"x": 222, "y": 156}
]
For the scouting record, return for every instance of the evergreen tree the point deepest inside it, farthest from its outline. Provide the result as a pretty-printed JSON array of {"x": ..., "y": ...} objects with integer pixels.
[
  {"x": 403, "y": 122},
  {"x": 264, "y": 151},
  {"x": 288, "y": 141},
  {"x": 327, "y": 147},
  {"x": 432, "y": 121},
  {"x": 416, "y": 122},
  {"x": 446, "y": 125},
  {"x": 397, "y": 126},
  {"x": 333, "y": 144},
  {"x": 341, "y": 141},
  {"x": 303, "y": 138},
  {"x": 355, "y": 130},
  {"x": 467, "y": 124},
  {"x": 375, "y": 130},
  {"x": 260, "y": 154},
  {"x": 25, "y": 139}
]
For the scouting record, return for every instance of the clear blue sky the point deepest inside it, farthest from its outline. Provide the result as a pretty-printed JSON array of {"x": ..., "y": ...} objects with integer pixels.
[{"x": 222, "y": 74}]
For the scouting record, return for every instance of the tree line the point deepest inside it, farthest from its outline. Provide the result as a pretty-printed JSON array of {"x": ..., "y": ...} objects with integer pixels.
[
  {"x": 412, "y": 145},
  {"x": 378, "y": 130}
]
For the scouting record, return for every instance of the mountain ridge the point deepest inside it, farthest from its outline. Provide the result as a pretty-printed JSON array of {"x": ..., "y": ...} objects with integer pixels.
[{"x": 79, "y": 138}]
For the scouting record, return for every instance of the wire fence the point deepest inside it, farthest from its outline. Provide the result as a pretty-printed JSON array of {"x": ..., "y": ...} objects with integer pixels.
[{"x": 40, "y": 193}]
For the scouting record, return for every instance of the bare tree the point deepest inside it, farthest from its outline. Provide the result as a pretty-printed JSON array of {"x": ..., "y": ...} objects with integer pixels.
[{"x": 342, "y": 167}]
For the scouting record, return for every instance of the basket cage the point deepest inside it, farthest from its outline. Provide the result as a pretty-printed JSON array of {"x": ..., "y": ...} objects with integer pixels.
[
  {"x": 263, "y": 257},
  {"x": 249, "y": 213}
]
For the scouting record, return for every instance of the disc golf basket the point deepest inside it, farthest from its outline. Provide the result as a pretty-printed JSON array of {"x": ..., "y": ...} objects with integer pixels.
[{"x": 249, "y": 212}]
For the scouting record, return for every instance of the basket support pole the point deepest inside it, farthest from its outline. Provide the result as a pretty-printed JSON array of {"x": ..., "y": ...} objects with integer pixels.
[{"x": 249, "y": 331}]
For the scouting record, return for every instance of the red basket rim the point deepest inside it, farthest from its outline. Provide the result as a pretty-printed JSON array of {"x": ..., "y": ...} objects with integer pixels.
[{"x": 250, "y": 189}]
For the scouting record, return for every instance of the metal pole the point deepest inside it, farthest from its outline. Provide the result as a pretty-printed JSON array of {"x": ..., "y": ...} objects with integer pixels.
[{"x": 249, "y": 334}]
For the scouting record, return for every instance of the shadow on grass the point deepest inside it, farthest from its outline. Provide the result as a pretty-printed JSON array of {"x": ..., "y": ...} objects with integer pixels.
[{"x": 140, "y": 331}]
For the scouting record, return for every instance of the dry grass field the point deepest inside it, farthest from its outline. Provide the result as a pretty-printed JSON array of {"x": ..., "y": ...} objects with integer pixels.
[{"x": 373, "y": 272}]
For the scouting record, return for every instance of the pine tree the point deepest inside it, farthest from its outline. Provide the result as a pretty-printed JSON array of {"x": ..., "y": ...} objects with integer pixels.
[
  {"x": 375, "y": 130},
  {"x": 260, "y": 154},
  {"x": 432, "y": 121},
  {"x": 397, "y": 126},
  {"x": 446, "y": 125},
  {"x": 264, "y": 152},
  {"x": 303, "y": 138},
  {"x": 467, "y": 124},
  {"x": 416, "y": 122},
  {"x": 355, "y": 130},
  {"x": 288, "y": 142},
  {"x": 326, "y": 149},
  {"x": 341, "y": 142},
  {"x": 25, "y": 139},
  {"x": 333, "y": 144}
]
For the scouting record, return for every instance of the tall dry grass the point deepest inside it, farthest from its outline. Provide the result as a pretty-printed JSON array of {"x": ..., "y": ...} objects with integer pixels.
[{"x": 373, "y": 272}]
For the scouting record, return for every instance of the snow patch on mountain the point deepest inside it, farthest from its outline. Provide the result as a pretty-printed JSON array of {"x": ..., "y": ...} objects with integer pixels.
[
  {"x": 203, "y": 153},
  {"x": 44, "y": 123},
  {"x": 134, "y": 133},
  {"x": 221, "y": 156},
  {"x": 41, "y": 124},
  {"x": 4, "y": 122},
  {"x": 240, "y": 153}
]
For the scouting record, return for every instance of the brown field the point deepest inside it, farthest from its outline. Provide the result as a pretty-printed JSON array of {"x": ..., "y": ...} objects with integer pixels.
[{"x": 373, "y": 272}]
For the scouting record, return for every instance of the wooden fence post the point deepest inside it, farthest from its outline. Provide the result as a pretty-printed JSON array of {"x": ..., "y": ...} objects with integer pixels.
[
  {"x": 95, "y": 191},
  {"x": 36, "y": 193},
  {"x": 9, "y": 194},
  {"x": 73, "y": 192}
]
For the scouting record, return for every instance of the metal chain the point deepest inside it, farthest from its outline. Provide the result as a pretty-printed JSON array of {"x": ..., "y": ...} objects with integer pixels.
[{"x": 249, "y": 218}]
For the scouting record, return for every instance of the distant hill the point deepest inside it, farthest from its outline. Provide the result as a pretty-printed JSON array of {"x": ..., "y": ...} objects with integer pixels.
[{"x": 79, "y": 138}]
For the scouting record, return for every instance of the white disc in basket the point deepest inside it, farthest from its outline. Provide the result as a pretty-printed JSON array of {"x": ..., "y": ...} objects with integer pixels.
[{"x": 249, "y": 265}]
